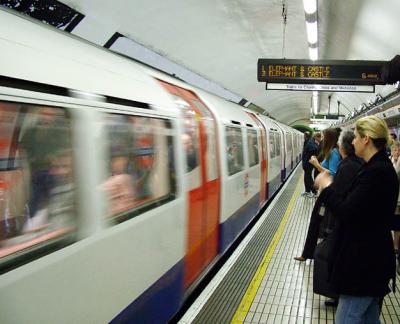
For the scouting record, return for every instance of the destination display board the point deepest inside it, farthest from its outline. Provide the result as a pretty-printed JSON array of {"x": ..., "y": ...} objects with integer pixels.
[{"x": 323, "y": 72}]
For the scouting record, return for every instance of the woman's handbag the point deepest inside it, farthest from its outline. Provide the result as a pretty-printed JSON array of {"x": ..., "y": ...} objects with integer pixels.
[{"x": 321, "y": 273}]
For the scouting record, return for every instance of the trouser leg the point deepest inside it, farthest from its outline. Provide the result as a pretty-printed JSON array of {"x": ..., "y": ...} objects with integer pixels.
[
  {"x": 308, "y": 180},
  {"x": 357, "y": 310}
]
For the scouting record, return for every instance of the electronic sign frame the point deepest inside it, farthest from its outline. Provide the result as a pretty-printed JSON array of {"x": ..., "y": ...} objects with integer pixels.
[{"x": 336, "y": 72}]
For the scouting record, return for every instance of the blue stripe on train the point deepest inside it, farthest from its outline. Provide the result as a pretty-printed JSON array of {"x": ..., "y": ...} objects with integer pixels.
[
  {"x": 159, "y": 302},
  {"x": 231, "y": 228},
  {"x": 274, "y": 185}
]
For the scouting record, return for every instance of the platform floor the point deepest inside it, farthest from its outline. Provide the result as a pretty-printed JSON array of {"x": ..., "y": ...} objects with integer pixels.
[{"x": 261, "y": 283}]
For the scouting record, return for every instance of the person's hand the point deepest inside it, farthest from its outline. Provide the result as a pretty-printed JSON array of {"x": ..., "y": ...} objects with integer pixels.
[
  {"x": 314, "y": 160},
  {"x": 323, "y": 180}
]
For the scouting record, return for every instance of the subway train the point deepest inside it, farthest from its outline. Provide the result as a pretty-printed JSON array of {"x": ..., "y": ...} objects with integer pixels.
[{"x": 120, "y": 186}]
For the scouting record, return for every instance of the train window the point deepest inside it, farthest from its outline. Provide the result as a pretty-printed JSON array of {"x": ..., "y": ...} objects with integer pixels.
[
  {"x": 252, "y": 144},
  {"x": 37, "y": 189},
  {"x": 234, "y": 144},
  {"x": 277, "y": 143},
  {"x": 211, "y": 142},
  {"x": 272, "y": 149},
  {"x": 141, "y": 165},
  {"x": 190, "y": 139},
  {"x": 289, "y": 142}
]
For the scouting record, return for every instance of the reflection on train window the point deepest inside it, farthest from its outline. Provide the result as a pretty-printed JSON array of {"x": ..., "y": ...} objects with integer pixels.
[
  {"x": 277, "y": 144},
  {"x": 37, "y": 190},
  {"x": 289, "y": 141},
  {"x": 294, "y": 140},
  {"x": 190, "y": 137},
  {"x": 210, "y": 141},
  {"x": 252, "y": 144},
  {"x": 141, "y": 164},
  {"x": 272, "y": 144},
  {"x": 234, "y": 144}
]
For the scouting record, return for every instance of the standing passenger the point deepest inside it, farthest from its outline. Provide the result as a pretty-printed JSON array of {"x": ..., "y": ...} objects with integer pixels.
[
  {"x": 319, "y": 155},
  {"x": 347, "y": 170},
  {"x": 395, "y": 158},
  {"x": 330, "y": 153},
  {"x": 310, "y": 148},
  {"x": 39, "y": 144},
  {"x": 362, "y": 260}
]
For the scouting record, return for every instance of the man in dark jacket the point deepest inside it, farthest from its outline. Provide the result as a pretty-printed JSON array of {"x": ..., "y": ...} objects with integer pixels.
[{"x": 310, "y": 148}]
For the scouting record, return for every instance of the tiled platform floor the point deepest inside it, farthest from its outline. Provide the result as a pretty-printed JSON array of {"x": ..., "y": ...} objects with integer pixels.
[{"x": 286, "y": 295}]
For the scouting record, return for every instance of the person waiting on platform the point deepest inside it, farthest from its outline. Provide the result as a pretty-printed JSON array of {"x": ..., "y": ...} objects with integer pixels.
[
  {"x": 318, "y": 140},
  {"x": 310, "y": 148},
  {"x": 347, "y": 170},
  {"x": 362, "y": 261},
  {"x": 393, "y": 138},
  {"x": 330, "y": 153},
  {"x": 395, "y": 158}
]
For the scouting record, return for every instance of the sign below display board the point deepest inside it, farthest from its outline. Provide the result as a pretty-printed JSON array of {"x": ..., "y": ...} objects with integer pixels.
[{"x": 320, "y": 87}]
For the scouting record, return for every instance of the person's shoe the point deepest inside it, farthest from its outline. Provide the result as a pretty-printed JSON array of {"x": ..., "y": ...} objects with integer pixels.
[
  {"x": 300, "y": 258},
  {"x": 331, "y": 302}
]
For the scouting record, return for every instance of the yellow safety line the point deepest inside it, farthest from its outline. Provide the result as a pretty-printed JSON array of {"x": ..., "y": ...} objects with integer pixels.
[{"x": 251, "y": 291}]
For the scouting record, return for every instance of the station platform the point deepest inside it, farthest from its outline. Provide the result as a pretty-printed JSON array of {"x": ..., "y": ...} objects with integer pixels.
[{"x": 261, "y": 283}]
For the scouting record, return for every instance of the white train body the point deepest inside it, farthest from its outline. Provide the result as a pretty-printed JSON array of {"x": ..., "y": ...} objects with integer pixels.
[{"x": 147, "y": 222}]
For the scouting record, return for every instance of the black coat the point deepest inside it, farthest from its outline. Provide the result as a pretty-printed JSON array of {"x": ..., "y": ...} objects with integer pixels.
[
  {"x": 347, "y": 171},
  {"x": 362, "y": 259},
  {"x": 310, "y": 148}
]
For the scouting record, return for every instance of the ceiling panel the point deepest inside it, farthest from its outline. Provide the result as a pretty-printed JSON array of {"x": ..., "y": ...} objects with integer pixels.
[{"x": 222, "y": 39}]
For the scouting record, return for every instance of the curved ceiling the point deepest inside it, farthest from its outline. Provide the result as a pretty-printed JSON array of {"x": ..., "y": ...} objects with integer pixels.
[{"x": 223, "y": 39}]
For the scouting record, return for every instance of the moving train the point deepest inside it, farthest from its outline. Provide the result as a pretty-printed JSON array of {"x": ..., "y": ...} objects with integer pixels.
[{"x": 120, "y": 186}]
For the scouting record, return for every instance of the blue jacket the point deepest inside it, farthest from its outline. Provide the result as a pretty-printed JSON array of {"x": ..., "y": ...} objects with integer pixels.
[{"x": 332, "y": 162}]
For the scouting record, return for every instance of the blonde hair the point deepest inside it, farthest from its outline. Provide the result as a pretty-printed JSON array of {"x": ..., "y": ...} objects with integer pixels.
[
  {"x": 375, "y": 128},
  {"x": 395, "y": 144}
]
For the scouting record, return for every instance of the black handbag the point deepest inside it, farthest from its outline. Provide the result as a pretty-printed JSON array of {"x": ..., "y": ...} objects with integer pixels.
[{"x": 321, "y": 272}]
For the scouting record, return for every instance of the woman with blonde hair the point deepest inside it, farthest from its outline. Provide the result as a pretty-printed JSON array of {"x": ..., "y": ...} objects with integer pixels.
[{"x": 361, "y": 260}]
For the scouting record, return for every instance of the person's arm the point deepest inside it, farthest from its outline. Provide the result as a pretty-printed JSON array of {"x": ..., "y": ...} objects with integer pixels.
[
  {"x": 330, "y": 165},
  {"x": 353, "y": 204},
  {"x": 334, "y": 160},
  {"x": 320, "y": 167}
]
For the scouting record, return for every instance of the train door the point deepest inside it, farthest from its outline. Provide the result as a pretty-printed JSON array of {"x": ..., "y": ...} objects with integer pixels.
[
  {"x": 264, "y": 160},
  {"x": 202, "y": 177}
]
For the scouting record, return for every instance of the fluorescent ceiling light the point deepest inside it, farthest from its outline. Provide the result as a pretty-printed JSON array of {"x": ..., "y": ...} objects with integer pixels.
[
  {"x": 315, "y": 102},
  {"x": 310, "y": 6},
  {"x": 312, "y": 32},
  {"x": 313, "y": 53}
]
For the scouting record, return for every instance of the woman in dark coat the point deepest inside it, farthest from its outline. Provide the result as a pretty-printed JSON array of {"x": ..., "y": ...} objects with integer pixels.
[
  {"x": 362, "y": 260},
  {"x": 347, "y": 170}
]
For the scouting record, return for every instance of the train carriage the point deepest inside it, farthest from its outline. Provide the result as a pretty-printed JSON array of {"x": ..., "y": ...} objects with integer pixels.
[{"x": 118, "y": 183}]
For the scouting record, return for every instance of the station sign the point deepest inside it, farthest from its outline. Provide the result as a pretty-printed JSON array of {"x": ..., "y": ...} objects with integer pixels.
[
  {"x": 333, "y": 72},
  {"x": 320, "y": 87}
]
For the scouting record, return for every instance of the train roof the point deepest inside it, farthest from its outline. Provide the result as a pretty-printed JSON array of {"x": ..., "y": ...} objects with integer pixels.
[{"x": 35, "y": 52}]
